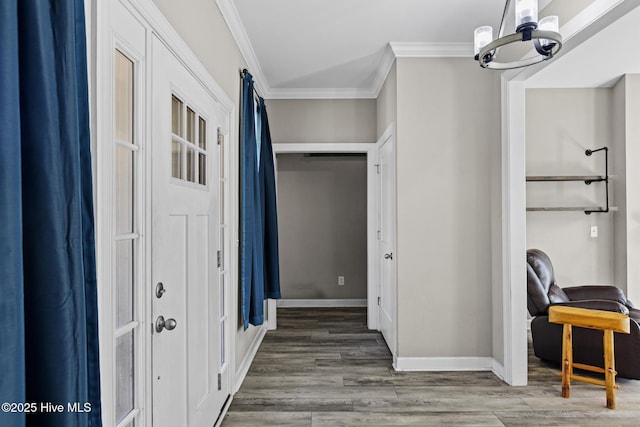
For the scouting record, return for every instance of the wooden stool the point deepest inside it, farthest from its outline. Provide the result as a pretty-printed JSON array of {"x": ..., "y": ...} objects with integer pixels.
[{"x": 606, "y": 321}]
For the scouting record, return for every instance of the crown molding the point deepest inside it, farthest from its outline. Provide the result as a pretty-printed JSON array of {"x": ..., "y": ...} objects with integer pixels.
[
  {"x": 232, "y": 18},
  {"x": 432, "y": 50},
  {"x": 383, "y": 70},
  {"x": 393, "y": 50},
  {"x": 322, "y": 93}
]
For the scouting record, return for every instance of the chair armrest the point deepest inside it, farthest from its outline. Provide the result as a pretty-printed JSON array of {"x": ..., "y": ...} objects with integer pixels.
[
  {"x": 597, "y": 304},
  {"x": 602, "y": 292}
]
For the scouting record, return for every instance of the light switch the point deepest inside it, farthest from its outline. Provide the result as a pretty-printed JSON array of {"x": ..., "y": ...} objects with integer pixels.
[
  {"x": 340, "y": 280},
  {"x": 594, "y": 231}
]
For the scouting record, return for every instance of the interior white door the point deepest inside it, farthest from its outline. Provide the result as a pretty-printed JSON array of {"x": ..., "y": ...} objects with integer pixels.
[
  {"x": 185, "y": 227},
  {"x": 386, "y": 242}
]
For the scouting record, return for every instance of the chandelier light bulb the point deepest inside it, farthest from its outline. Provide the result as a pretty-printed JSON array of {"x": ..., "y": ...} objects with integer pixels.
[
  {"x": 526, "y": 12},
  {"x": 482, "y": 36},
  {"x": 548, "y": 23}
]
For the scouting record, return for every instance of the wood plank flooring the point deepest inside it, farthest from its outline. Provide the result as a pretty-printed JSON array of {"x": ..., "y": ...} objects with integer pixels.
[{"x": 323, "y": 367}]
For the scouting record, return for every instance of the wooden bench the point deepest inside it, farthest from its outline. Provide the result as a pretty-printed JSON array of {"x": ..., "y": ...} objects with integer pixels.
[{"x": 606, "y": 321}]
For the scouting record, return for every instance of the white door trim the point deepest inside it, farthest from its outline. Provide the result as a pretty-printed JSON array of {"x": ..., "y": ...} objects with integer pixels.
[
  {"x": 514, "y": 295},
  {"x": 370, "y": 150}
]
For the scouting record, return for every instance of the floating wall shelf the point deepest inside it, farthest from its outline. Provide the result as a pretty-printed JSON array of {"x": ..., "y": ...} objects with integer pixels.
[{"x": 587, "y": 179}]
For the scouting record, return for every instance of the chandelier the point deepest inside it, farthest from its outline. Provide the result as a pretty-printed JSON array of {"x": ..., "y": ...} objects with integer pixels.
[{"x": 546, "y": 39}]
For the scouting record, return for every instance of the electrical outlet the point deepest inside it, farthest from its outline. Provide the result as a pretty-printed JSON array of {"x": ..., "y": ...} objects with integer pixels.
[
  {"x": 340, "y": 280},
  {"x": 594, "y": 231}
]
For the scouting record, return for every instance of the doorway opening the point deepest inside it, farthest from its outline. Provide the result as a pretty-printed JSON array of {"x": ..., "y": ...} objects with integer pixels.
[
  {"x": 322, "y": 206},
  {"x": 362, "y": 149}
]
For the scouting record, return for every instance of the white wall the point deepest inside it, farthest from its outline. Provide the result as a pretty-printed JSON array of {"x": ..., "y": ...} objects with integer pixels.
[
  {"x": 448, "y": 128},
  {"x": 322, "y": 220},
  {"x": 561, "y": 125}
]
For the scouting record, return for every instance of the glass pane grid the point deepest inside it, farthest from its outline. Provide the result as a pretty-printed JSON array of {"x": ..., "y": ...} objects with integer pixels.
[{"x": 188, "y": 143}]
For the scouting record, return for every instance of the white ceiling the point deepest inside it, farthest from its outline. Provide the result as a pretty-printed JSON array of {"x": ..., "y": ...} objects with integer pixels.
[{"x": 340, "y": 48}]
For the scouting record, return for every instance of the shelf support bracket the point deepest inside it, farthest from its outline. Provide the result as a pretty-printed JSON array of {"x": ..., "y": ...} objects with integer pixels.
[{"x": 606, "y": 179}]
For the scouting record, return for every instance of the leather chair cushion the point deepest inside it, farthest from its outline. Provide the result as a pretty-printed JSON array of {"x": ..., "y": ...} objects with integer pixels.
[{"x": 557, "y": 295}]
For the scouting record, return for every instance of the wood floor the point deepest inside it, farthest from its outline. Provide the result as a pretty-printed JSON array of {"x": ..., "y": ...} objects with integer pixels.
[{"x": 322, "y": 367}]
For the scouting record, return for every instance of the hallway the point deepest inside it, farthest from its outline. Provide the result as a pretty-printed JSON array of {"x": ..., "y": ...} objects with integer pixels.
[{"x": 323, "y": 367}]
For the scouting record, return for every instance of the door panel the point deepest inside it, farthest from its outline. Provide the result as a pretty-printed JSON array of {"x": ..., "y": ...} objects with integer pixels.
[
  {"x": 185, "y": 218},
  {"x": 386, "y": 243}
]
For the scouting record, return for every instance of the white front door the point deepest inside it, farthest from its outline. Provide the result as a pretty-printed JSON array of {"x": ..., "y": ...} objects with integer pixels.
[
  {"x": 188, "y": 390},
  {"x": 386, "y": 241}
]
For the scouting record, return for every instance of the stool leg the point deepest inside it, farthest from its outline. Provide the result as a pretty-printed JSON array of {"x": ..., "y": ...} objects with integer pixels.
[
  {"x": 567, "y": 360},
  {"x": 609, "y": 369}
]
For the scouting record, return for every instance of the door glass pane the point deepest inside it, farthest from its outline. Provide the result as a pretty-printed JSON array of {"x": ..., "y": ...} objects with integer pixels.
[
  {"x": 221, "y": 207},
  {"x": 124, "y": 375},
  {"x": 202, "y": 134},
  {"x": 124, "y": 190},
  {"x": 124, "y": 282},
  {"x": 221, "y": 153},
  {"x": 222, "y": 313},
  {"x": 202, "y": 169},
  {"x": 191, "y": 125},
  {"x": 176, "y": 159},
  {"x": 222, "y": 349},
  {"x": 176, "y": 116},
  {"x": 191, "y": 165},
  {"x": 123, "y": 97}
]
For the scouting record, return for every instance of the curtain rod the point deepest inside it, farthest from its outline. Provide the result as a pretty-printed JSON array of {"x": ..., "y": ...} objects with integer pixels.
[{"x": 242, "y": 74}]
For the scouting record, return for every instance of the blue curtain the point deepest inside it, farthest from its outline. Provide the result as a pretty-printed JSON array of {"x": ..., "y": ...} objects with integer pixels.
[
  {"x": 259, "y": 271},
  {"x": 48, "y": 300},
  {"x": 269, "y": 209}
]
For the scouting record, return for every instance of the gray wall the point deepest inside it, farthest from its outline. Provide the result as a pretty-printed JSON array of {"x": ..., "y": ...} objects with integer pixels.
[
  {"x": 201, "y": 25},
  {"x": 322, "y": 120},
  {"x": 322, "y": 215},
  {"x": 445, "y": 141},
  {"x": 561, "y": 125}
]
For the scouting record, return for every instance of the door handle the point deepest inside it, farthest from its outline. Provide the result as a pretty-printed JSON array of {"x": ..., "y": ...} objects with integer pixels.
[
  {"x": 169, "y": 324},
  {"x": 160, "y": 290},
  {"x": 388, "y": 256}
]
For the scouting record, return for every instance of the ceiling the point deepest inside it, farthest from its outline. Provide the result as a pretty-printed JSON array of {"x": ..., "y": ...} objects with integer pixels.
[{"x": 344, "y": 48}]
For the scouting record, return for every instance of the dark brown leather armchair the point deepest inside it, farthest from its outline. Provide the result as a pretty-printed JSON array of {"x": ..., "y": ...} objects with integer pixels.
[{"x": 543, "y": 291}]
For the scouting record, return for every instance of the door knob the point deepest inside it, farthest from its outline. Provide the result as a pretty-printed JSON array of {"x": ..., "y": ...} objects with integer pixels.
[
  {"x": 388, "y": 256},
  {"x": 169, "y": 324}
]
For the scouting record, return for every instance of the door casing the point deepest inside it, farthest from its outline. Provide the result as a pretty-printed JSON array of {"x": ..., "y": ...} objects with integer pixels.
[{"x": 370, "y": 149}]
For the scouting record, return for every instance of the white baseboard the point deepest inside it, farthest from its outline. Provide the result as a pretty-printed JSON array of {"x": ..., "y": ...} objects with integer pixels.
[
  {"x": 444, "y": 364},
  {"x": 498, "y": 369},
  {"x": 310, "y": 303},
  {"x": 243, "y": 369}
]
